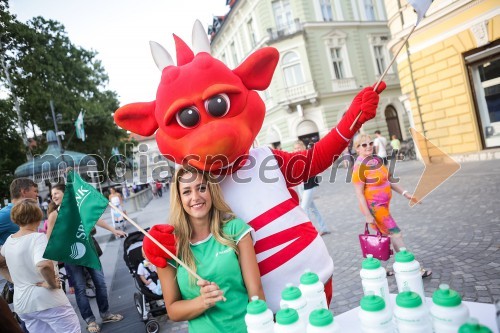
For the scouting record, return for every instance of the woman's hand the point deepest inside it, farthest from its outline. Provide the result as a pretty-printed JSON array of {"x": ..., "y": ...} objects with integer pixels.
[
  {"x": 412, "y": 198},
  {"x": 119, "y": 233},
  {"x": 210, "y": 293},
  {"x": 55, "y": 285}
]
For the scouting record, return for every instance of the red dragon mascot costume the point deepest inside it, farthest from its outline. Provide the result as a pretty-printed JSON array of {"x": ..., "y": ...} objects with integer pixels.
[{"x": 207, "y": 115}]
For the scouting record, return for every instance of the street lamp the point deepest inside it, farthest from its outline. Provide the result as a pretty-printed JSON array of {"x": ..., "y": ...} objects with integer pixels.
[{"x": 55, "y": 119}]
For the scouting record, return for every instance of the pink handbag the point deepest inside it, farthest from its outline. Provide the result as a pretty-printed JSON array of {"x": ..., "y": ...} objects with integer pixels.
[{"x": 377, "y": 245}]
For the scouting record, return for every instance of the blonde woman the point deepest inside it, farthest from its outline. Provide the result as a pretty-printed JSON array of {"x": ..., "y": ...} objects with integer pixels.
[{"x": 215, "y": 244}]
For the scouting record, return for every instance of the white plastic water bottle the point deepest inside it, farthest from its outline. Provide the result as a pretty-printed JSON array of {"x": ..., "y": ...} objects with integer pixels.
[
  {"x": 313, "y": 291},
  {"x": 321, "y": 321},
  {"x": 448, "y": 312},
  {"x": 407, "y": 273},
  {"x": 259, "y": 318},
  {"x": 287, "y": 321},
  {"x": 375, "y": 316},
  {"x": 411, "y": 314},
  {"x": 374, "y": 279},
  {"x": 472, "y": 326},
  {"x": 291, "y": 297}
]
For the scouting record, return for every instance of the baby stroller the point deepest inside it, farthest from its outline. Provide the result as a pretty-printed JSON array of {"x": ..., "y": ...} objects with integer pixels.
[{"x": 148, "y": 304}]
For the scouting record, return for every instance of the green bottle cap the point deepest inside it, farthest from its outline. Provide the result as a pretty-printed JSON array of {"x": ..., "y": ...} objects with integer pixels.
[
  {"x": 287, "y": 316},
  {"x": 290, "y": 293},
  {"x": 404, "y": 256},
  {"x": 473, "y": 326},
  {"x": 320, "y": 318},
  {"x": 370, "y": 262},
  {"x": 445, "y": 296},
  {"x": 256, "y": 306},
  {"x": 372, "y": 303},
  {"x": 408, "y": 299},
  {"x": 309, "y": 278}
]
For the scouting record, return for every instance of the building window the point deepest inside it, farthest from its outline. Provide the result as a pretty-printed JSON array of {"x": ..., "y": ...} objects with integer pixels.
[
  {"x": 234, "y": 54},
  {"x": 292, "y": 69},
  {"x": 369, "y": 10},
  {"x": 340, "y": 68},
  {"x": 282, "y": 14},
  {"x": 338, "y": 65},
  {"x": 380, "y": 54},
  {"x": 485, "y": 75},
  {"x": 326, "y": 10},
  {"x": 251, "y": 33},
  {"x": 379, "y": 58}
]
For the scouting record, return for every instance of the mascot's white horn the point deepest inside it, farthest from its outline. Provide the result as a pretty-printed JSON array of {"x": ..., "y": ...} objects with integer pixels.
[
  {"x": 200, "y": 39},
  {"x": 161, "y": 56}
]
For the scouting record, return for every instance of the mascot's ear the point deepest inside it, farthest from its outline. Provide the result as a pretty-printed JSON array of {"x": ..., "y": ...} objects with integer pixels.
[
  {"x": 257, "y": 70},
  {"x": 137, "y": 118}
]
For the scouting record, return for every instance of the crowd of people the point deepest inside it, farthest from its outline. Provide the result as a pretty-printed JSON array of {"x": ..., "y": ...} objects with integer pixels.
[
  {"x": 196, "y": 208},
  {"x": 39, "y": 300},
  {"x": 209, "y": 238}
]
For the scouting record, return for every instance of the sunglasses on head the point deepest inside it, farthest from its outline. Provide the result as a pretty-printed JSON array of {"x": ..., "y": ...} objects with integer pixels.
[{"x": 364, "y": 145}]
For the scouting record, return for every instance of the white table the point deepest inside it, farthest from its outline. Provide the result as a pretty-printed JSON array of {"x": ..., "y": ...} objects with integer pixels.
[{"x": 485, "y": 313}]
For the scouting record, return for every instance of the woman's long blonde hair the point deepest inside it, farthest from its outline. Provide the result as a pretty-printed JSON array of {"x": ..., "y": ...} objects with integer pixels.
[{"x": 219, "y": 215}]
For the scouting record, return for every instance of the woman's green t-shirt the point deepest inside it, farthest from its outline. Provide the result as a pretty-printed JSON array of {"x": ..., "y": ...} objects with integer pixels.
[{"x": 218, "y": 263}]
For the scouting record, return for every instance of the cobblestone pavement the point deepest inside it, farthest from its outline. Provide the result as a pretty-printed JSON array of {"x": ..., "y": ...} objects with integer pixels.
[{"x": 455, "y": 232}]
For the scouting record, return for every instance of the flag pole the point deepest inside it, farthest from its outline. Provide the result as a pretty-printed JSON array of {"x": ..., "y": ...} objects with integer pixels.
[
  {"x": 155, "y": 241},
  {"x": 385, "y": 72}
]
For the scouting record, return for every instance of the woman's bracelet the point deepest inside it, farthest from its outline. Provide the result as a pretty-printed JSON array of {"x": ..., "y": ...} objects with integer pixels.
[{"x": 404, "y": 192}]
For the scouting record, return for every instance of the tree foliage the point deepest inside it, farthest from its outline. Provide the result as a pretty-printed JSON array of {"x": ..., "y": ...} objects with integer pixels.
[
  {"x": 45, "y": 65},
  {"x": 11, "y": 144}
]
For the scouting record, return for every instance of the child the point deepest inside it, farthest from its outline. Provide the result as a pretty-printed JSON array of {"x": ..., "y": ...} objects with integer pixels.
[{"x": 148, "y": 275}]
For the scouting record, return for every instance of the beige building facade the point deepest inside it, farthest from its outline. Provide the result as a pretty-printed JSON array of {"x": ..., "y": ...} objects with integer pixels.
[
  {"x": 328, "y": 50},
  {"x": 450, "y": 73}
]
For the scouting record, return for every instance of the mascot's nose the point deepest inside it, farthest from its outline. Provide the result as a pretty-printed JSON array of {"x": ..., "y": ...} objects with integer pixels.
[{"x": 216, "y": 139}]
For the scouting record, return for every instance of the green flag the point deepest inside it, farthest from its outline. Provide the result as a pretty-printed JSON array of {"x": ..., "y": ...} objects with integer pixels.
[
  {"x": 79, "y": 128},
  {"x": 70, "y": 240}
]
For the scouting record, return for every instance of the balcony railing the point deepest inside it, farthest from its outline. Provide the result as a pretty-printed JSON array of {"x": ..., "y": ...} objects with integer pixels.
[
  {"x": 299, "y": 93},
  {"x": 344, "y": 84},
  {"x": 281, "y": 32}
]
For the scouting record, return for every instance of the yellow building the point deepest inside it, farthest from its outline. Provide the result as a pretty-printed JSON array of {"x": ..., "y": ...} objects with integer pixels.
[{"x": 450, "y": 73}]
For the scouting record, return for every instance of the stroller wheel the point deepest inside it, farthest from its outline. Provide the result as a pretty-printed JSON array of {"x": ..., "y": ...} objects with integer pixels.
[
  {"x": 152, "y": 326},
  {"x": 138, "y": 303}
]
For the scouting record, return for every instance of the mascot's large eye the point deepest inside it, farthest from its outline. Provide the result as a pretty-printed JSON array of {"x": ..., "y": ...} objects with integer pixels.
[
  {"x": 188, "y": 117},
  {"x": 218, "y": 106}
]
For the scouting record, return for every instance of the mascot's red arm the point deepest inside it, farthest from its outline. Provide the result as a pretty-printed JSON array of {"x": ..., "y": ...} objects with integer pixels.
[{"x": 299, "y": 166}]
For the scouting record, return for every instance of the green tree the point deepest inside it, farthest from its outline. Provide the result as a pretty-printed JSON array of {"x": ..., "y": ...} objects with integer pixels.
[
  {"x": 45, "y": 65},
  {"x": 11, "y": 144}
]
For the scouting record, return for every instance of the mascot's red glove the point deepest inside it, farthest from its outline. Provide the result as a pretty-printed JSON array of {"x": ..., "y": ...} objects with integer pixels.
[
  {"x": 163, "y": 233},
  {"x": 366, "y": 101}
]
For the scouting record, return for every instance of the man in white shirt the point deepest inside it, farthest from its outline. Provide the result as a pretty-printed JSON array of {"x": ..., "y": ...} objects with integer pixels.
[{"x": 379, "y": 143}]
